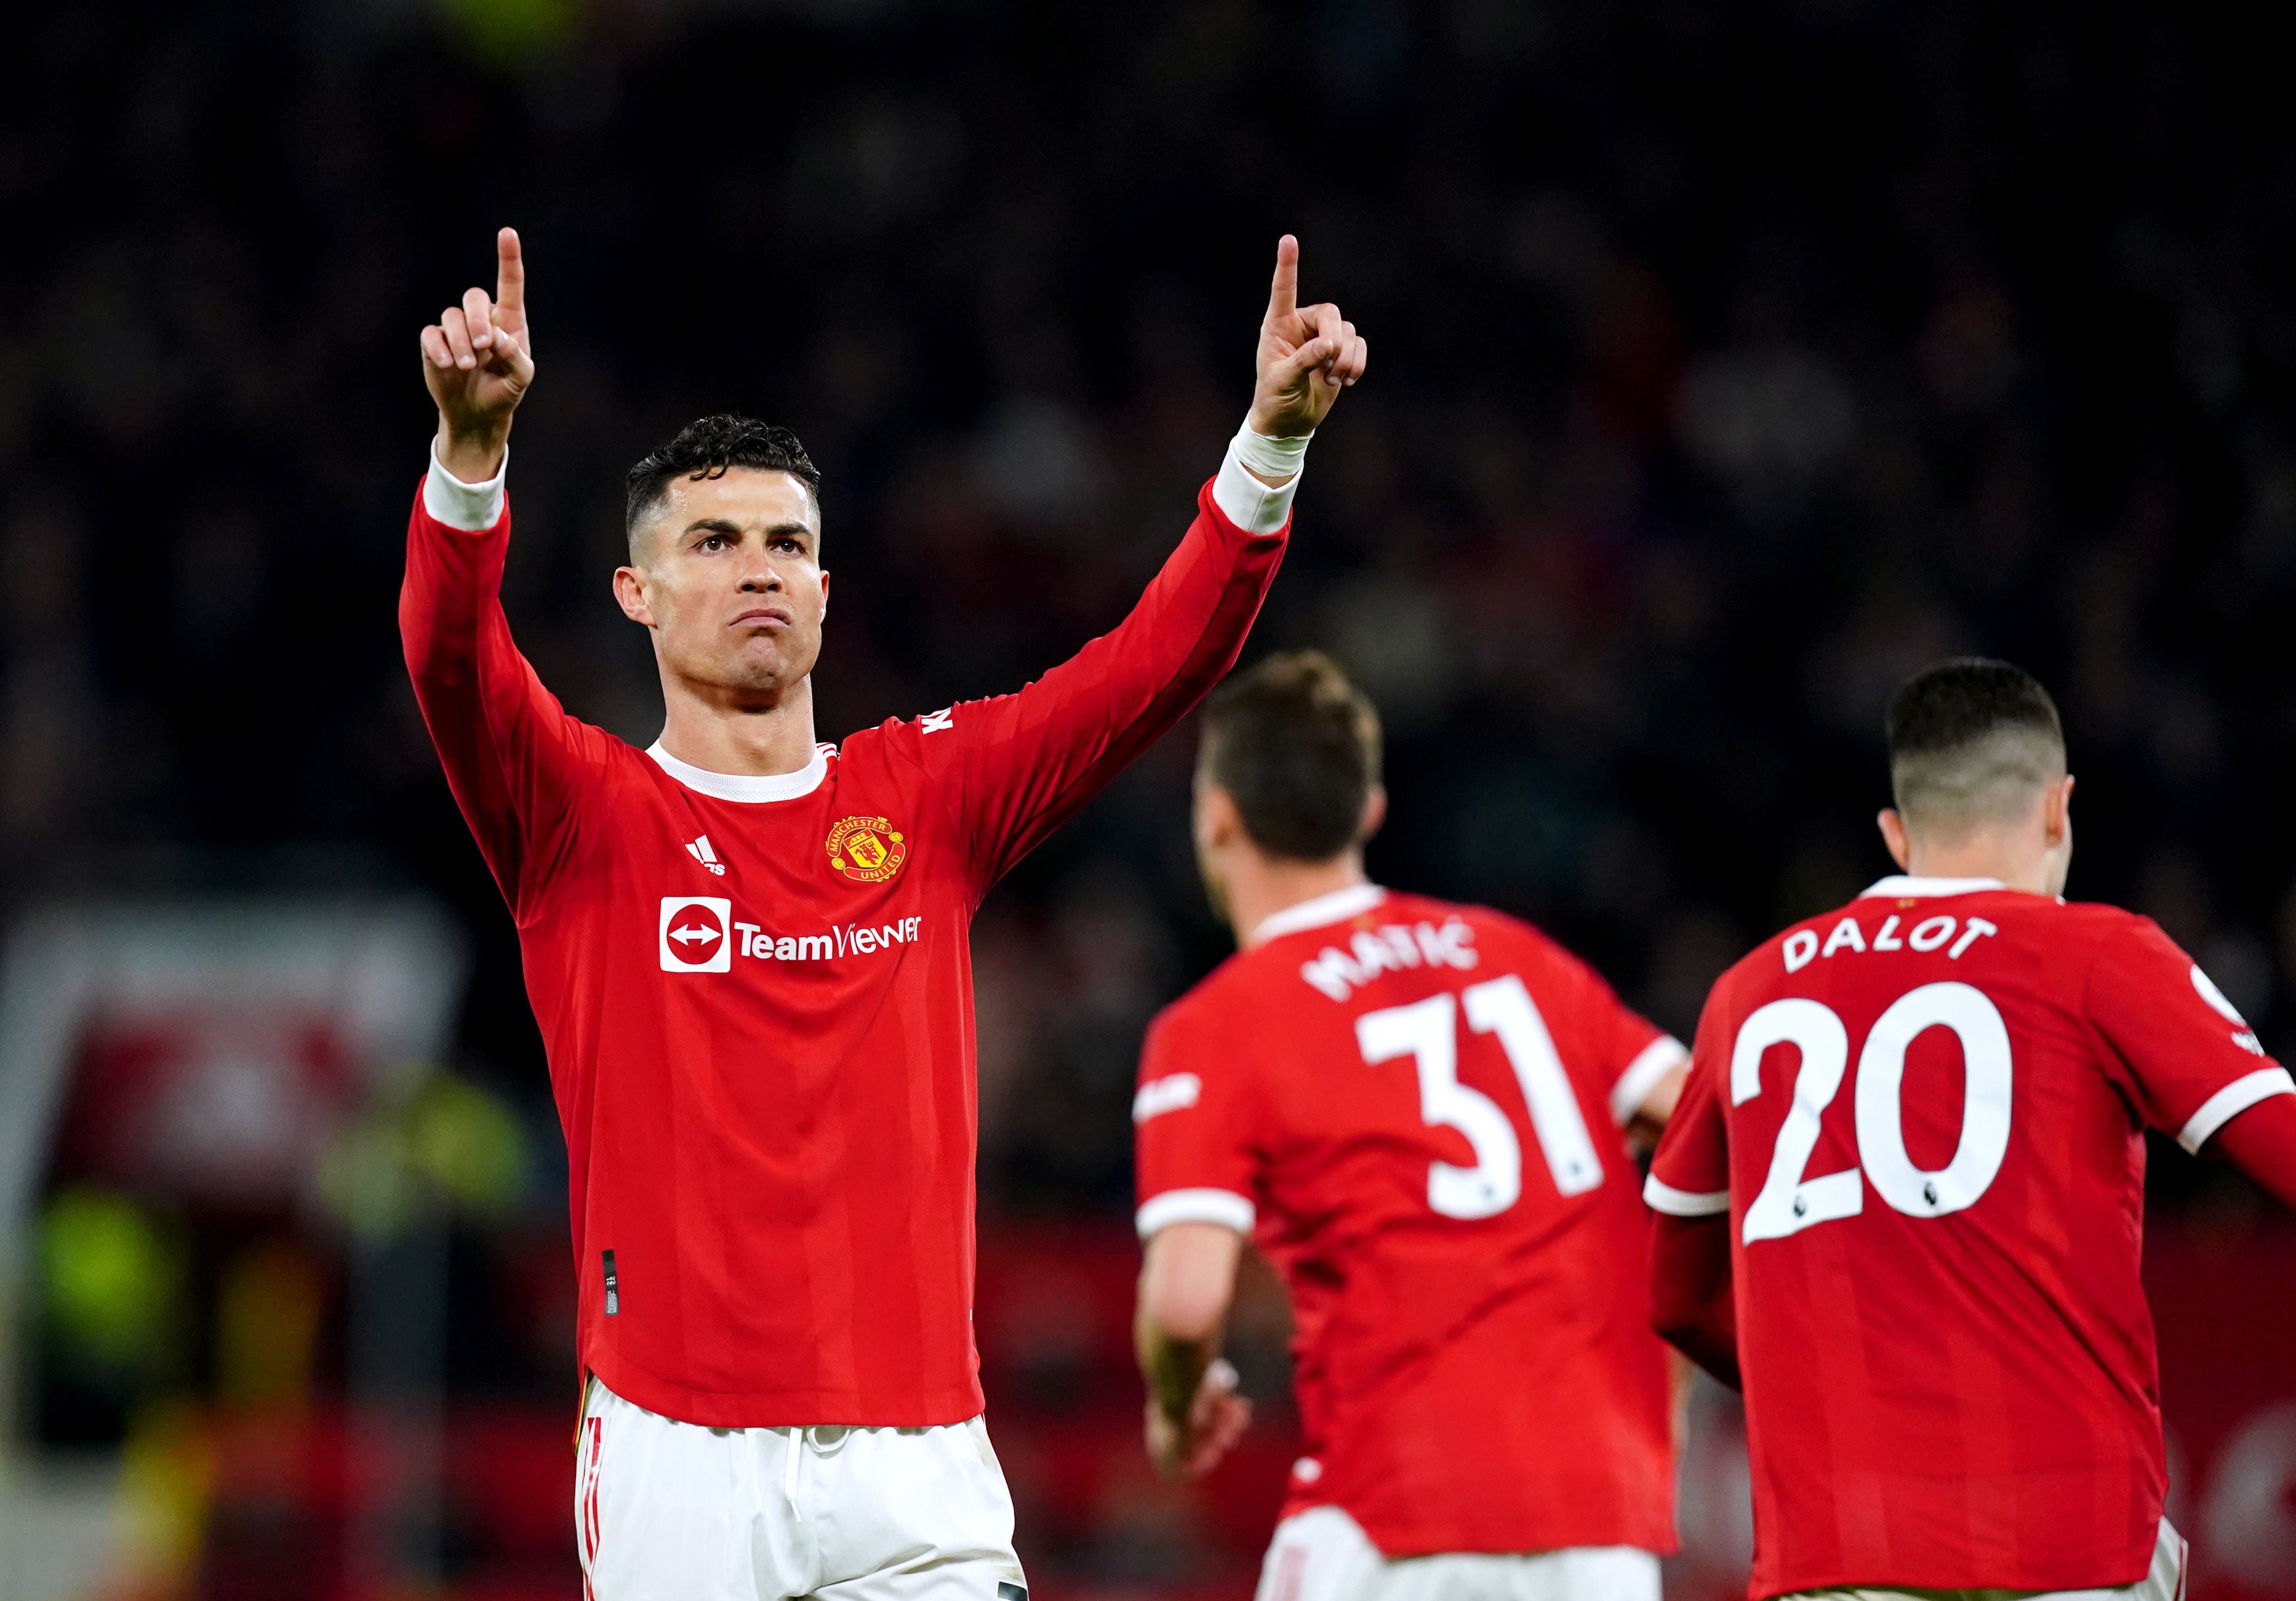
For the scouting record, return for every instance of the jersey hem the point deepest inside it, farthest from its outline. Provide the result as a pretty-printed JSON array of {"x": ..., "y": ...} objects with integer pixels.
[
  {"x": 783, "y": 1408},
  {"x": 2042, "y": 1583},
  {"x": 1397, "y": 1548}
]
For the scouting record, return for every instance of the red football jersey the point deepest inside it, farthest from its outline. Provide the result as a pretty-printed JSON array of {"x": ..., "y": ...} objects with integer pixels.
[
  {"x": 1413, "y": 1109},
  {"x": 1948, "y": 1357},
  {"x": 757, "y": 993}
]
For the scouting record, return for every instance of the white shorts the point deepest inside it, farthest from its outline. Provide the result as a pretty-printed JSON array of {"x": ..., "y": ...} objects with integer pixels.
[
  {"x": 2165, "y": 1582},
  {"x": 1322, "y": 1555},
  {"x": 667, "y": 1511}
]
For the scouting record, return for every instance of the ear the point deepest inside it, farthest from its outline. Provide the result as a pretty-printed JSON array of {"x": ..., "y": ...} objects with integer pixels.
[
  {"x": 1374, "y": 813},
  {"x": 2058, "y": 811},
  {"x": 1218, "y": 823},
  {"x": 1893, "y": 835},
  {"x": 630, "y": 594},
  {"x": 825, "y": 595}
]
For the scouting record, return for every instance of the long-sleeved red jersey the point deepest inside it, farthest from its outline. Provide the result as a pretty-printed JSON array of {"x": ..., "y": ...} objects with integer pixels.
[{"x": 757, "y": 993}]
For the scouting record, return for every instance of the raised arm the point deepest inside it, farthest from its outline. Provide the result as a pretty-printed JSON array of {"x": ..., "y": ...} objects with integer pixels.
[
  {"x": 1028, "y": 761},
  {"x": 510, "y": 753}
]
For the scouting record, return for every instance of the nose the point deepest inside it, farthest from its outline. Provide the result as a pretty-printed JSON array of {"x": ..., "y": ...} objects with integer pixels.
[{"x": 761, "y": 579}]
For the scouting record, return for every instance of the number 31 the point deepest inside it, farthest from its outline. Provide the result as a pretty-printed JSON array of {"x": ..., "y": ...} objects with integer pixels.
[{"x": 1789, "y": 1203}]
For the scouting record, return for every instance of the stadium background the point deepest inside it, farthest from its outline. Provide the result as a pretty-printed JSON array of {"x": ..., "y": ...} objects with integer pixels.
[{"x": 1730, "y": 360}]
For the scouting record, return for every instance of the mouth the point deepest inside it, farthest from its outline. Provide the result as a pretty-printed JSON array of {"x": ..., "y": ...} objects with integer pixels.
[{"x": 764, "y": 617}]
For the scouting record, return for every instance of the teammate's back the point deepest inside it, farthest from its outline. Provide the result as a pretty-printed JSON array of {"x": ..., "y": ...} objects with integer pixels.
[
  {"x": 1923, "y": 1114},
  {"x": 1416, "y": 1107}
]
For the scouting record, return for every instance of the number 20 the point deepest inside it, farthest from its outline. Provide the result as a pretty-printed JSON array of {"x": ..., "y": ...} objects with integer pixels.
[
  {"x": 1789, "y": 1202},
  {"x": 1427, "y": 1032}
]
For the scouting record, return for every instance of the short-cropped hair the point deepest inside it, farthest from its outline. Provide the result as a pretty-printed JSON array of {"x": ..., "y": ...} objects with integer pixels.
[
  {"x": 705, "y": 449},
  {"x": 1972, "y": 741},
  {"x": 1297, "y": 747}
]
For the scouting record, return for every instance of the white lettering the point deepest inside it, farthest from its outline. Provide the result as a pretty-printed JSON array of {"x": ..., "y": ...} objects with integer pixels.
[
  {"x": 1845, "y": 934},
  {"x": 813, "y": 947},
  {"x": 865, "y": 940},
  {"x": 936, "y": 722},
  {"x": 1372, "y": 956},
  {"x": 1886, "y": 939},
  {"x": 1969, "y": 935},
  {"x": 1931, "y": 932},
  {"x": 747, "y": 929},
  {"x": 786, "y": 949},
  {"x": 1458, "y": 941},
  {"x": 1800, "y": 949},
  {"x": 1174, "y": 1092},
  {"x": 1398, "y": 941}
]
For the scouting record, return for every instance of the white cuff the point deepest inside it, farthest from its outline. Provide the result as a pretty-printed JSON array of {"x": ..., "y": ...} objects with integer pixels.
[
  {"x": 1224, "y": 1207},
  {"x": 2231, "y": 1101},
  {"x": 1683, "y": 1203},
  {"x": 1245, "y": 501},
  {"x": 474, "y": 508},
  {"x": 1659, "y": 1058}
]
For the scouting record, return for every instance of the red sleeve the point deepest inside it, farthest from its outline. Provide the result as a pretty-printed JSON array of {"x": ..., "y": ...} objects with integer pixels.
[
  {"x": 2191, "y": 1063},
  {"x": 1630, "y": 1052},
  {"x": 1690, "y": 1174},
  {"x": 1195, "y": 1158},
  {"x": 1023, "y": 764},
  {"x": 1692, "y": 1307},
  {"x": 512, "y": 756}
]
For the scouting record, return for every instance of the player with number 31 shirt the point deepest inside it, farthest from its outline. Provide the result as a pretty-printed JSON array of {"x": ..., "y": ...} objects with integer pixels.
[{"x": 1920, "y": 1117}]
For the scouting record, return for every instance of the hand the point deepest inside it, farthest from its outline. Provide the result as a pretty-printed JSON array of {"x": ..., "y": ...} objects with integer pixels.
[
  {"x": 1307, "y": 356},
  {"x": 478, "y": 360},
  {"x": 1190, "y": 1446}
]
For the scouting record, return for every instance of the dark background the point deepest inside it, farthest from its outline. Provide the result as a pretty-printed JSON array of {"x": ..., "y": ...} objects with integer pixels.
[{"x": 1729, "y": 361}]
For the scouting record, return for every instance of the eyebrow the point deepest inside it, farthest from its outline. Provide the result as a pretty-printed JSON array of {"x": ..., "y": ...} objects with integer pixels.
[{"x": 719, "y": 525}]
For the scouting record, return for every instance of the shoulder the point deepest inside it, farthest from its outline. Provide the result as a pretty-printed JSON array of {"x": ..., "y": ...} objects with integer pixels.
[{"x": 1213, "y": 1010}]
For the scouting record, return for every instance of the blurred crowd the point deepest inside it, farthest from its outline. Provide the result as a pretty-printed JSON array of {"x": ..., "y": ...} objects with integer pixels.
[{"x": 1728, "y": 362}]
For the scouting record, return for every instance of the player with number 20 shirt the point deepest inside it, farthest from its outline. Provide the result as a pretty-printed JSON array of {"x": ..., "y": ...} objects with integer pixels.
[{"x": 1923, "y": 1114}]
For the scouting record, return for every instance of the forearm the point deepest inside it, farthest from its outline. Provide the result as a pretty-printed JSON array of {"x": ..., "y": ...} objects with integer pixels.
[
  {"x": 2261, "y": 1142},
  {"x": 1173, "y": 1365},
  {"x": 1691, "y": 1304}
]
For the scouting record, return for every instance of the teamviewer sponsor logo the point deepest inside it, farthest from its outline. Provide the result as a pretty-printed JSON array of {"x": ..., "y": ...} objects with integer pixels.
[{"x": 696, "y": 933}]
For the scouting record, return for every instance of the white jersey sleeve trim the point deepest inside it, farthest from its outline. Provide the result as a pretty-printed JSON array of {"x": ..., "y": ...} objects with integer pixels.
[
  {"x": 1225, "y": 1207},
  {"x": 1683, "y": 1203},
  {"x": 474, "y": 508},
  {"x": 2232, "y": 1100},
  {"x": 1245, "y": 501},
  {"x": 1659, "y": 1058}
]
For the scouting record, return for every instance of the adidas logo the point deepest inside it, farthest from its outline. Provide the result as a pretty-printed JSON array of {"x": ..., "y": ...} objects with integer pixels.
[{"x": 699, "y": 850}]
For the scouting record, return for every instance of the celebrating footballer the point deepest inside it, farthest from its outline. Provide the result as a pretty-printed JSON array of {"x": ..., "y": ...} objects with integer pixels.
[{"x": 747, "y": 950}]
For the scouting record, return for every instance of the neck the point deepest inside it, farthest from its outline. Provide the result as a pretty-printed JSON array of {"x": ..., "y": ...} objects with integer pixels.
[
  {"x": 741, "y": 740},
  {"x": 1258, "y": 887},
  {"x": 1985, "y": 855}
]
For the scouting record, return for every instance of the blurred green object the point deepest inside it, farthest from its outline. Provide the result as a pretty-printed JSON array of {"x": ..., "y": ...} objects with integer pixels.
[
  {"x": 510, "y": 32},
  {"x": 427, "y": 1140},
  {"x": 108, "y": 1280}
]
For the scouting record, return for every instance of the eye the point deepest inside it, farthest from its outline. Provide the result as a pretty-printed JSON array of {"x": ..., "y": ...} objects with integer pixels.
[{"x": 712, "y": 542}]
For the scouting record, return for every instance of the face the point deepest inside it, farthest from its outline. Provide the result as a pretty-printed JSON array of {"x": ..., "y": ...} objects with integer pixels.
[{"x": 727, "y": 574}]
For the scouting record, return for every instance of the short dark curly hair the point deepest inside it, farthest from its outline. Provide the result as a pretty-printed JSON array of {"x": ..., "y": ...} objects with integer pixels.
[
  {"x": 1297, "y": 747},
  {"x": 1971, "y": 740},
  {"x": 705, "y": 449}
]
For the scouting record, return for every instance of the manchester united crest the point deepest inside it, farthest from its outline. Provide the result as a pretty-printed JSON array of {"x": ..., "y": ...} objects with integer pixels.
[{"x": 869, "y": 849}]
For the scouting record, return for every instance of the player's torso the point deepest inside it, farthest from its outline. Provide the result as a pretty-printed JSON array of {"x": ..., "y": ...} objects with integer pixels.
[
  {"x": 1450, "y": 1201},
  {"x": 1936, "y": 1193},
  {"x": 758, "y": 1023}
]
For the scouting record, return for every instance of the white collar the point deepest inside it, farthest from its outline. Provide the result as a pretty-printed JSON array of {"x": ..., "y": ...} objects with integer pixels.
[
  {"x": 1903, "y": 883},
  {"x": 1334, "y": 907},
  {"x": 745, "y": 786}
]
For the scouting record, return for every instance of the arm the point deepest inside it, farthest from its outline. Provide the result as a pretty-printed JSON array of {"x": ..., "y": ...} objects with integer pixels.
[
  {"x": 1028, "y": 762},
  {"x": 507, "y": 748},
  {"x": 1186, "y": 1284},
  {"x": 2261, "y": 1143},
  {"x": 1691, "y": 1303}
]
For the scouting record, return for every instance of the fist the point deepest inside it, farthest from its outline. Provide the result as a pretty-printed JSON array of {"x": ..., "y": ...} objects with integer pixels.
[
  {"x": 477, "y": 359},
  {"x": 1190, "y": 1446},
  {"x": 1307, "y": 355}
]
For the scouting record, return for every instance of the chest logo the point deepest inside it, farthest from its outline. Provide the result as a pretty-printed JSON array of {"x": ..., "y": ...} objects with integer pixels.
[{"x": 868, "y": 849}]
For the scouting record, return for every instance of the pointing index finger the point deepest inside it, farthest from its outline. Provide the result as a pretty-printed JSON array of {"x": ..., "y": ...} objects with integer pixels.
[
  {"x": 1283, "y": 295},
  {"x": 510, "y": 272}
]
